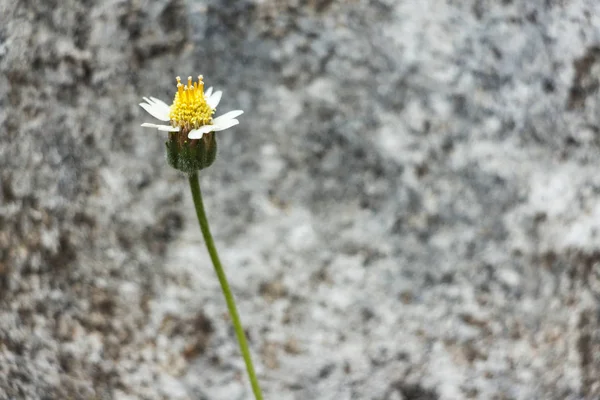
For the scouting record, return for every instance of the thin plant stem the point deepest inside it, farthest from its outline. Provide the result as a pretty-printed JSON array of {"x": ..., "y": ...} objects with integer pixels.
[{"x": 214, "y": 256}]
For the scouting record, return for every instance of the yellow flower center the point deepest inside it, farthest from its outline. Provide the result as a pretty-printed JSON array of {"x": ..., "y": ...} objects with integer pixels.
[{"x": 190, "y": 109}]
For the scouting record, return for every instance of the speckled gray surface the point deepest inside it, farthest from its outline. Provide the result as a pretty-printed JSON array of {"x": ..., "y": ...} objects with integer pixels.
[{"x": 409, "y": 209}]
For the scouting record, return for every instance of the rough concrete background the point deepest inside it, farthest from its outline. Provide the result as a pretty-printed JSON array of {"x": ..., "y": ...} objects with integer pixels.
[{"x": 409, "y": 209}]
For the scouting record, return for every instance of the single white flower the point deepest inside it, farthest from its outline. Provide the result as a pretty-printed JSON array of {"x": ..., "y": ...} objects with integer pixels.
[{"x": 191, "y": 111}]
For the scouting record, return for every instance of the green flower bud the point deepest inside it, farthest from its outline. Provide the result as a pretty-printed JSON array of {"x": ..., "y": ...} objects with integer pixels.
[{"x": 191, "y": 155}]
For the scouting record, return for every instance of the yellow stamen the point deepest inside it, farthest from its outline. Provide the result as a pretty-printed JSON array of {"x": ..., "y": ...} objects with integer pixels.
[{"x": 190, "y": 109}]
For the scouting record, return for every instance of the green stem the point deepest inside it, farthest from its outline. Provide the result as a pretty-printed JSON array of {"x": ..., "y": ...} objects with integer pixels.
[{"x": 214, "y": 256}]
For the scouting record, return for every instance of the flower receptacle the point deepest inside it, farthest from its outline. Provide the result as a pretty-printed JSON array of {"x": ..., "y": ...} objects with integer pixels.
[{"x": 191, "y": 155}]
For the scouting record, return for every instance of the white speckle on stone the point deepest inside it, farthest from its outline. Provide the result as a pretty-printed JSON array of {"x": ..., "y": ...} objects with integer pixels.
[
  {"x": 508, "y": 276},
  {"x": 173, "y": 388}
]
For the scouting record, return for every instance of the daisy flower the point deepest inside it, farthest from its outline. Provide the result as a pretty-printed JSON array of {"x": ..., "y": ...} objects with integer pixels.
[{"x": 191, "y": 112}]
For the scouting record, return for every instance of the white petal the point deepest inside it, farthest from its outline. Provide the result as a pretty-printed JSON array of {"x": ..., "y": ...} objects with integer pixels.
[
  {"x": 161, "y": 105},
  {"x": 165, "y": 128},
  {"x": 154, "y": 102},
  {"x": 158, "y": 108},
  {"x": 213, "y": 101},
  {"x": 198, "y": 133},
  {"x": 149, "y": 125},
  {"x": 226, "y": 125},
  {"x": 227, "y": 116},
  {"x": 208, "y": 92},
  {"x": 156, "y": 112},
  {"x": 159, "y": 101}
]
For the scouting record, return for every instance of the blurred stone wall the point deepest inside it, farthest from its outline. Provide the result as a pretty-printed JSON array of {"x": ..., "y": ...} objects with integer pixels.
[{"x": 409, "y": 208}]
